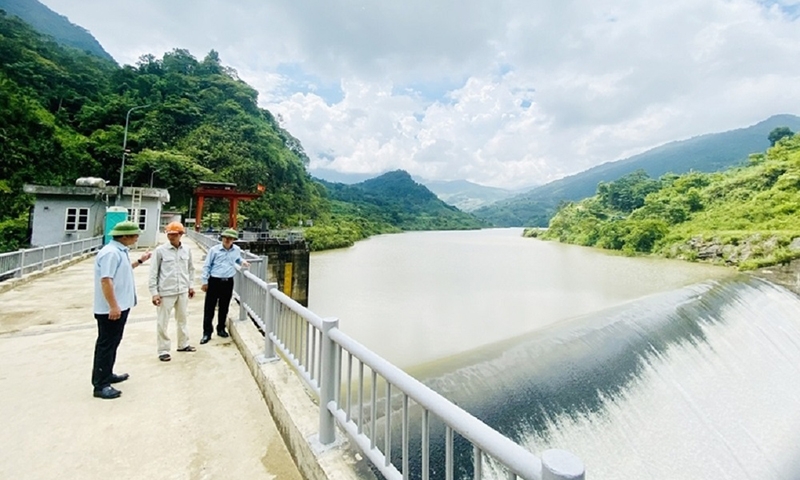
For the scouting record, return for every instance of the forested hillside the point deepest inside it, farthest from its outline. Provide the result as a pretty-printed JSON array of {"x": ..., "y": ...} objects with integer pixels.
[
  {"x": 395, "y": 198},
  {"x": 705, "y": 153},
  {"x": 57, "y": 26},
  {"x": 747, "y": 216},
  {"x": 62, "y": 116}
]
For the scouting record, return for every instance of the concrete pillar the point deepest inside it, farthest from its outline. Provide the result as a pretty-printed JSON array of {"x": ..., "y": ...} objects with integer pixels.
[{"x": 287, "y": 264}]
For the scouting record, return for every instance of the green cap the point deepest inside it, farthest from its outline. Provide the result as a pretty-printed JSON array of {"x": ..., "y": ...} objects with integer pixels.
[
  {"x": 229, "y": 232},
  {"x": 125, "y": 228}
]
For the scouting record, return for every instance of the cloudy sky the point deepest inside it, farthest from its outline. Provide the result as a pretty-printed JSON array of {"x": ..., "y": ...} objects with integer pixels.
[{"x": 505, "y": 93}]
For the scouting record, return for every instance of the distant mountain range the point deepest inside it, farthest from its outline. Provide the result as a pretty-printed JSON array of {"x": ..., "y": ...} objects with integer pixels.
[
  {"x": 705, "y": 153},
  {"x": 465, "y": 195},
  {"x": 396, "y": 199},
  {"x": 462, "y": 194},
  {"x": 536, "y": 205},
  {"x": 48, "y": 22},
  {"x": 497, "y": 206}
]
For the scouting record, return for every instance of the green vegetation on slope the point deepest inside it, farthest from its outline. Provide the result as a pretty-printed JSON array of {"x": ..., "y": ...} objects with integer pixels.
[
  {"x": 57, "y": 26},
  {"x": 705, "y": 153},
  {"x": 747, "y": 216},
  {"x": 62, "y": 116},
  {"x": 395, "y": 198}
]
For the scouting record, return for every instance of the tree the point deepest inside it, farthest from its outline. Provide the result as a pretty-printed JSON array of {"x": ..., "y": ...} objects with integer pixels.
[
  {"x": 628, "y": 193},
  {"x": 779, "y": 132}
]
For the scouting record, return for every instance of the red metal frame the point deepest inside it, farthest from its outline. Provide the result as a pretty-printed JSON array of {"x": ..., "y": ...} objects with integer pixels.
[{"x": 221, "y": 190}]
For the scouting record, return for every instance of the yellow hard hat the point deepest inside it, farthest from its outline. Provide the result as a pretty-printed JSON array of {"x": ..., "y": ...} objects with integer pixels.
[{"x": 174, "y": 227}]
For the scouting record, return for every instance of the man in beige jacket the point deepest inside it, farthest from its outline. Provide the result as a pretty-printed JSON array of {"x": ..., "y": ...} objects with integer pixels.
[{"x": 171, "y": 279}]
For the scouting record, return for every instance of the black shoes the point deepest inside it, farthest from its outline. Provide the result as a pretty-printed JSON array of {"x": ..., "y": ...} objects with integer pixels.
[
  {"x": 206, "y": 337},
  {"x": 118, "y": 378},
  {"x": 107, "y": 393}
]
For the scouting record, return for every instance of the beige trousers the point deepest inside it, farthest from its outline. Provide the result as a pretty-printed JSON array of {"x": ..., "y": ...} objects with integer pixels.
[{"x": 180, "y": 303}]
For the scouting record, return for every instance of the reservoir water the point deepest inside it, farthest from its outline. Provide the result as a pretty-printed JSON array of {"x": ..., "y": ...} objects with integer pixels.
[
  {"x": 437, "y": 294},
  {"x": 644, "y": 368}
]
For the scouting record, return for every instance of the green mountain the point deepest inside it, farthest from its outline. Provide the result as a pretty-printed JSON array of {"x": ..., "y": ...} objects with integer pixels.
[
  {"x": 747, "y": 216},
  {"x": 64, "y": 114},
  {"x": 394, "y": 198},
  {"x": 48, "y": 22},
  {"x": 706, "y": 153}
]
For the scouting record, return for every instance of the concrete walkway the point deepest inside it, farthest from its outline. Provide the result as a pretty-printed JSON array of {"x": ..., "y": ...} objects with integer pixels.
[{"x": 200, "y": 416}]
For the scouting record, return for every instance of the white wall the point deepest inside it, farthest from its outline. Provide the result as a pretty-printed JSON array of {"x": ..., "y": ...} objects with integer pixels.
[{"x": 50, "y": 215}]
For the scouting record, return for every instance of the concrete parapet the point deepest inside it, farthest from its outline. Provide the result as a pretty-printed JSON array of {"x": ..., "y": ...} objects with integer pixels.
[{"x": 296, "y": 413}]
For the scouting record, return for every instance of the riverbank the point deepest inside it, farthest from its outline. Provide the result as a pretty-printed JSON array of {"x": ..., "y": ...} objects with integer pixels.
[
  {"x": 767, "y": 248},
  {"x": 786, "y": 275}
]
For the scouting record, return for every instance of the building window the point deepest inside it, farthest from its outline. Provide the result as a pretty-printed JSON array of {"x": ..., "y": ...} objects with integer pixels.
[
  {"x": 141, "y": 218},
  {"x": 77, "y": 219}
]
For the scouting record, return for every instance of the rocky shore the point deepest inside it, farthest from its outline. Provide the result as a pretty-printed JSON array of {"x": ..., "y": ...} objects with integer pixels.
[
  {"x": 786, "y": 275},
  {"x": 754, "y": 249}
]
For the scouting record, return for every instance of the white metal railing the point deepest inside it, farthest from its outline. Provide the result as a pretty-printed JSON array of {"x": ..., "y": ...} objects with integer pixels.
[
  {"x": 205, "y": 241},
  {"x": 397, "y": 404},
  {"x": 25, "y": 261}
]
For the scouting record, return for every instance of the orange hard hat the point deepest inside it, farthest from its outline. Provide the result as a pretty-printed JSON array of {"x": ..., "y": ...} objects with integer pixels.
[{"x": 174, "y": 227}]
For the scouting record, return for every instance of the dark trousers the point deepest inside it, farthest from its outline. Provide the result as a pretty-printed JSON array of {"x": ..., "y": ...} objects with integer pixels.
[
  {"x": 109, "y": 335},
  {"x": 220, "y": 290}
]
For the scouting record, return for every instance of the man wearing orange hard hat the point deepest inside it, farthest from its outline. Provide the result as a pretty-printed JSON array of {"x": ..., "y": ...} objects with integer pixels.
[{"x": 171, "y": 279}]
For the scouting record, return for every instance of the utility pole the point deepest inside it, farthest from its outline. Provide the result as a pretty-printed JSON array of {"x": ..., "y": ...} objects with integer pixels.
[{"x": 125, "y": 151}]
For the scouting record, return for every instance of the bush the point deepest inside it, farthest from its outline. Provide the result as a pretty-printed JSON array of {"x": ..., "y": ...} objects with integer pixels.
[
  {"x": 14, "y": 234},
  {"x": 644, "y": 234}
]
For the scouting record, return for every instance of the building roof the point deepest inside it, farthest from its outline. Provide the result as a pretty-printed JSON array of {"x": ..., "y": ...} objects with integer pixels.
[{"x": 43, "y": 190}]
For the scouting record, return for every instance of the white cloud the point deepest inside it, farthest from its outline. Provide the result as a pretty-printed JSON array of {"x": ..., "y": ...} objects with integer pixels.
[{"x": 502, "y": 93}]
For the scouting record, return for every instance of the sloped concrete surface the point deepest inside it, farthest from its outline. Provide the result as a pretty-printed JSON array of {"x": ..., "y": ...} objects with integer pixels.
[{"x": 200, "y": 416}]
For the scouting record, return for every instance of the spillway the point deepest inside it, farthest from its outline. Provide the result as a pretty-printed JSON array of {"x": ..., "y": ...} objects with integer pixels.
[{"x": 697, "y": 383}]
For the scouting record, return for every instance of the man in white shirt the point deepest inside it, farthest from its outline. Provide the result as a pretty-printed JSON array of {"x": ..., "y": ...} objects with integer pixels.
[
  {"x": 171, "y": 278},
  {"x": 114, "y": 296}
]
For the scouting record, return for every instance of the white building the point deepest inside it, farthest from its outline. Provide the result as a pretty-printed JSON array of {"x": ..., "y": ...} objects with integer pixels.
[{"x": 63, "y": 214}]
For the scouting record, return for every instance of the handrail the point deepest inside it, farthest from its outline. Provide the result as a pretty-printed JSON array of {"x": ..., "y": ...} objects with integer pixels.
[
  {"x": 520, "y": 461},
  {"x": 25, "y": 261},
  {"x": 317, "y": 349}
]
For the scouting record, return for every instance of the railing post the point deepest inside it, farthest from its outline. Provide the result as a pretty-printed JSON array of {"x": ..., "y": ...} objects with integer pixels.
[
  {"x": 262, "y": 273},
  {"x": 268, "y": 317},
  {"x": 244, "y": 298},
  {"x": 21, "y": 262},
  {"x": 327, "y": 431},
  {"x": 561, "y": 465}
]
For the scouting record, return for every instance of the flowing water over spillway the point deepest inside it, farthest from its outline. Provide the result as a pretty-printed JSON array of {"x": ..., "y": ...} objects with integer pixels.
[
  {"x": 696, "y": 383},
  {"x": 644, "y": 368}
]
